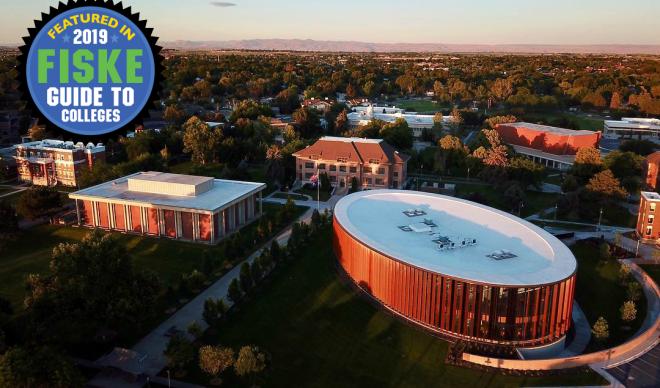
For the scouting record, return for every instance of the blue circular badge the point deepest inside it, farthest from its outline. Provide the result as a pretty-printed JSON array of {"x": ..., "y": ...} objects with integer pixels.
[{"x": 90, "y": 70}]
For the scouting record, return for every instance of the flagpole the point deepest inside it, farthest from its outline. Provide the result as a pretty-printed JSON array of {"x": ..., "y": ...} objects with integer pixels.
[{"x": 318, "y": 190}]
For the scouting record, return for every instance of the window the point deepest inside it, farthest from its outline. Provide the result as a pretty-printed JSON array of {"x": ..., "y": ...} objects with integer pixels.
[
  {"x": 342, "y": 168},
  {"x": 333, "y": 178},
  {"x": 395, "y": 183},
  {"x": 308, "y": 175},
  {"x": 342, "y": 160},
  {"x": 322, "y": 166},
  {"x": 366, "y": 170},
  {"x": 649, "y": 230},
  {"x": 395, "y": 174},
  {"x": 379, "y": 182},
  {"x": 381, "y": 171},
  {"x": 652, "y": 206},
  {"x": 369, "y": 181},
  {"x": 333, "y": 167},
  {"x": 309, "y": 165},
  {"x": 353, "y": 169},
  {"x": 374, "y": 161},
  {"x": 650, "y": 220}
]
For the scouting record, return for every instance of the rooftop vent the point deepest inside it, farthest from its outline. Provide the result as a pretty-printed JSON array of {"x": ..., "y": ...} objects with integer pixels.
[{"x": 502, "y": 254}]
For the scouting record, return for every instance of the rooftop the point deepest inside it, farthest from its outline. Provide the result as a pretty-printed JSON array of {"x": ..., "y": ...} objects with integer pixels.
[
  {"x": 548, "y": 129},
  {"x": 491, "y": 246},
  {"x": 171, "y": 190},
  {"x": 634, "y": 123},
  {"x": 50, "y": 144},
  {"x": 352, "y": 149},
  {"x": 650, "y": 196}
]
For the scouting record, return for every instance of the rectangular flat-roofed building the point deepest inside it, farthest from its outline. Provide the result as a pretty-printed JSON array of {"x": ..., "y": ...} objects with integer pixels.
[
  {"x": 185, "y": 207},
  {"x": 648, "y": 224},
  {"x": 550, "y": 146},
  {"x": 633, "y": 128}
]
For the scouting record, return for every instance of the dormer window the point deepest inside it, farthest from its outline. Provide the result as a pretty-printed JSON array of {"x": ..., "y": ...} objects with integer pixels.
[
  {"x": 374, "y": 161},
  {"x": 342, "y": 160}
]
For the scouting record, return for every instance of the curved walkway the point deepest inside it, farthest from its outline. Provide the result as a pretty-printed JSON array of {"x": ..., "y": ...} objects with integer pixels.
[{"x": 645, "y": 340}]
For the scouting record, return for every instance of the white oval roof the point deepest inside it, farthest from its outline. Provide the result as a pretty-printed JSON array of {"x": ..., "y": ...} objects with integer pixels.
[{"x": 376, "y": 217}]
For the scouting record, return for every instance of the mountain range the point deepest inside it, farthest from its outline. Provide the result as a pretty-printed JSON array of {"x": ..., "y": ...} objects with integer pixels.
[{"x": 356, "y": 46}]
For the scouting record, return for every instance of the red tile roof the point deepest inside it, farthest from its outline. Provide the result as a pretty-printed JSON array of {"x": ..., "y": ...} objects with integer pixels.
[{"x": 354, "y": 150}]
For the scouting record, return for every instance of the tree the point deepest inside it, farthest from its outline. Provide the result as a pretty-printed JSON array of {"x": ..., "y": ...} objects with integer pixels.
[
  {"x": 38, "y": 201},
  {"x": 607, "y": 186},
  {"x": 256, "y": 272},
  {"x": 250, "y": 361},
  {"x": 215, "y": 359},
  {"x": 502, "y": 88},
  {"x": 587, "y": 163},
  {"x": 398, "y": 134},
  {"x": 526, "y": 171},
  {"x": 8, "y": 223},
  {"x": 308, "y": 121},
  {"x": 634, "y": 291},
  {"x": 214, "y": 311},
  {"x": 355, "y": 185},
  {"x": 341, "y": 122},
  {"x": 497, "y": 154},
  {"x": 37, "y": 132},
  {"x": 515, "y": 196},
  {"x": 246, "y": 278},
  {"x": 195, "y": 329},
  {"x": 24, "y": 367},
  {"x": 615, "y": 101},
  {"x": 276, "y": 251},
  {"x": 640, "y": 147},
  {"x": 275, "y": 170},
  {"x": 604, "y": 251},
  {"x": 180, "y": 352},
  {"x": 200, "y": 140},
  {"x": 493, "y": 121},
  {"x": 234, "y": 292},
  {"x": 588, "y": 155},
  {"x": 628, "y": 311},
  {"x": 601, "y": 330},
  {"x": 174, "y": 114},
  {"x": 324, "y": 181},
  {"x": 91, "y": 284}
]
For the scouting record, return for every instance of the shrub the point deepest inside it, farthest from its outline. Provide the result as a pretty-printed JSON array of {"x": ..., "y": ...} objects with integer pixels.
[{"x": 601, "y": 330}]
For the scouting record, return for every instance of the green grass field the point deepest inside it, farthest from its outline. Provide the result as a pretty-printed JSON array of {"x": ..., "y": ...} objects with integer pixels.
[
  {"x": 653, "y": 270},
  {"x": 583, "y": 122},
  {"x": 31, "y": 253},
  {"x": 599, "y": 293},
  {"x": 322, "y": 195},
  {"x": 321, "y": 333},
  {"x": 419, "y": 105},
  {"x": 293, "y": 196},
  {"x": 534, "y": 202}
]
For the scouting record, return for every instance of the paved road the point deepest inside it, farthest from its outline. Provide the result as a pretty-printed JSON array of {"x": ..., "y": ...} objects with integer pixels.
[{"x": 641, "y": 372}]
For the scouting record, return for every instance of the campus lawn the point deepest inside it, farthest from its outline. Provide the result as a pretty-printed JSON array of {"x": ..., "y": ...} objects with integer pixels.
[
  {"x": 534, "y": 202},
  {"x": 599, "y": 293},
  {"x": 31, "y": 253},
  {"x": 419, "y": 105},
  {"x": 293, "y": 196},
  {"x": 322, "y": 195},
  {"x": 319, "y": 332},
  {"x": 653, "y": 270},
  {"x": 582, "y": 120}
]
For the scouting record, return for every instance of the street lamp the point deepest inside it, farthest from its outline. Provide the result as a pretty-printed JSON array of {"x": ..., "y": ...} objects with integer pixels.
[
  {"x": 468, "y": 176},
  {"x": 600, "y": 217},
  {"x": 520, "y": 206},
  {"x": 318, "y": 190},
  {"x": 556, "y": 207}
]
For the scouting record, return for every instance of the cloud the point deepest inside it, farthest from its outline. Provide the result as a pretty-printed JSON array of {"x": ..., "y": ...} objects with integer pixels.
[{"x": 222, "y": 4}]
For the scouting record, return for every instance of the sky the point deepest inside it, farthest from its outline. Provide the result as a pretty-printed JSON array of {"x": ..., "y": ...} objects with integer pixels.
[{"x": 383, "y": 21}]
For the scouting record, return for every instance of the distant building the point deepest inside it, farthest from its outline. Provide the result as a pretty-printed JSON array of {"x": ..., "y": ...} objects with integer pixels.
[
  {"x": 363, "y": 115},
  {"x": 552, "y": 147},
  {"x": 321, "y": 105},
  {"x": 373, "y": 162},
  {"x": 185, "y": 207},
  {"x": 651, "y": 169},
  {"x": 648, "y": 225},
  {"x": 633, "y": 128},
  {"x": 55, "y": 162}
]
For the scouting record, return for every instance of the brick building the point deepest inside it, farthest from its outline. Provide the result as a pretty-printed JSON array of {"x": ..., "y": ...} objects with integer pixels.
[
  {"x": 55, "y": 162},
  {"x": 648, "y": 225},
  {"x": 552, "y": 147},
  {"x": 185, "y": 207},
  {"x": 373, "y": 162},
  {"x": 651, "y": 168}
]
